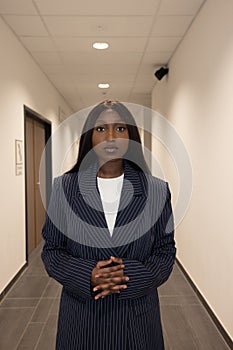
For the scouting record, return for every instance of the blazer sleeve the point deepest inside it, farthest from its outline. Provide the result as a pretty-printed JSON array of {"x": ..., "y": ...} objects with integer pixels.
[
  {"x": 145, "y": 276},
  {"x": 73, "y": 273}
]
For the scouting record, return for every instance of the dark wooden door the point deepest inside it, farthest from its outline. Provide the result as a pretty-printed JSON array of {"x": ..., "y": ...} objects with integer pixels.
[{"x": 35, "y": 144}]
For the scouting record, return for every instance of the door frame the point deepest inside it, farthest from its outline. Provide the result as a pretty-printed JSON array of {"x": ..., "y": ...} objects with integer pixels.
[{"x": 28, "y": 112}]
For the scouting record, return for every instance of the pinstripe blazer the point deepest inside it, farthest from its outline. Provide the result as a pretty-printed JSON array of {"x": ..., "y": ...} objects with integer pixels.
[{"x": 76, "y": 238}]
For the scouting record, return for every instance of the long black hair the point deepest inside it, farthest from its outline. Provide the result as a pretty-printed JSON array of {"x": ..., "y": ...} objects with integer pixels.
[{"x": 134, "y": 154}]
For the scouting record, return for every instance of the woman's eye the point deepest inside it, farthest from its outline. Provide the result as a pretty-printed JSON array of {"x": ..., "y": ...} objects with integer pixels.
[
  {"x": 121, "y": 128},
  {"x": 99, "y": 128}
]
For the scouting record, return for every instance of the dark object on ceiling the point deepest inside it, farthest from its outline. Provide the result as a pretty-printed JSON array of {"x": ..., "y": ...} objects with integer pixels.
[{"x": 161, "y": 72}]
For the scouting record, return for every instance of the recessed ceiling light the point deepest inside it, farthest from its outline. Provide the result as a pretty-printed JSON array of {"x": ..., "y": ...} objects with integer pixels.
[
  {"x": 100, "y": 46},
  {"x": 103, "y": 85}
]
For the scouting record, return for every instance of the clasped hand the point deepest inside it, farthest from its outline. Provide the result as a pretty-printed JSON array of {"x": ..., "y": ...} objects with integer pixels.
[{"x": 109, "y": 279}]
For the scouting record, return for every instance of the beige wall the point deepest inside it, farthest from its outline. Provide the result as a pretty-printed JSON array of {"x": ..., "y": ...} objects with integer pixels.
[
  {"x": 21, "y": 83},
  {"x": 197, "y": 97}
]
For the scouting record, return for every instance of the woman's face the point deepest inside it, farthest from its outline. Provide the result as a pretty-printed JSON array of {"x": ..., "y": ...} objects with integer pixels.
[{"x": 110, "y": 136}]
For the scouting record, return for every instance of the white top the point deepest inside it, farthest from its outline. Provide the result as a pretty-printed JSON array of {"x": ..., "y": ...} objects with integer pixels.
[{"x": 110, "y": 193}]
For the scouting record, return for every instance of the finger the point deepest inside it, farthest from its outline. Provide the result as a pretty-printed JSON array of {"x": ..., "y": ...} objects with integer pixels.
[
  {"x": 113, "y": 279},
  {"x": 102, "y": 263},
  {"x": 102, "y": 286},
  {"x": 103, "y": 294},
  {"x": 112, "y": 283},
  {"x": 108, "y": 282},
  {"x": 104, "y": 290},
  {"x": 110, "y": 274},
  {"x": 117, "y": 280},
  {"x": 112, "y": 290},
  {"x": 110, "y": 269},
  {"x": 117, "y": 260},
  {"x": 118, "y": 288}
]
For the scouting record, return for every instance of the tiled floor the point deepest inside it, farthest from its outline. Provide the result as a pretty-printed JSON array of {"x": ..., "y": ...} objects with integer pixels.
[{"x": 28, "y": 313}]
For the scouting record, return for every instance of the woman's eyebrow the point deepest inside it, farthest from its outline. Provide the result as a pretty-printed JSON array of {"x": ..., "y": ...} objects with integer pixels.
[{"x": 112, "y": 122}]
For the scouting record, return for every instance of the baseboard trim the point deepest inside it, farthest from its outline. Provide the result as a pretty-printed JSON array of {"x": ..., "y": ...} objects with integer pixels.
[
  {"x": 217, "y": 323},
  {"x": 12, "y": 282}
]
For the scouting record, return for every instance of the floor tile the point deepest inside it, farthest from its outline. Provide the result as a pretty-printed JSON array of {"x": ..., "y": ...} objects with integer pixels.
[
  {"x": 55, "y": 307},
  {"x": 29, "y": 287},
  {"x": 179, "y": 300},
  {"x": 30, "y": 337},
  {"x": 36, "y": 252},
  {"x": 19, "y": 302},
  {"x": 176, "y": 269},
  {"x": 36, "y": 268},
  {"x": 205, "y": 331},
  {"x": 166, "y": 345},
  {"x": 42, "y": 310},
  {"x": 52, "y": 289},
  {"x": 176, "y": 285},
  {"x": 12, "y": 325},
  {"x": 47, "y": 339},
  {"x": 179, "y": 332}
]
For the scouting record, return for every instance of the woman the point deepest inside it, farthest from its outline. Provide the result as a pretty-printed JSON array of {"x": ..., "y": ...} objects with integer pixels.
[{"x": 109, "y": 239}]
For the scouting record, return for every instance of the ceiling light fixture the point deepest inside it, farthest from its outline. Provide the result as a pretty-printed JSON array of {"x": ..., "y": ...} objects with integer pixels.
[
  {"x": 100, "y": 46},
  {"x": 103, "y": 85}
]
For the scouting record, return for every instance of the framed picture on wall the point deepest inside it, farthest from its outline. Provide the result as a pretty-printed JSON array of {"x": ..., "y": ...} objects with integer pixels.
[{"x": 18, "y": 157}]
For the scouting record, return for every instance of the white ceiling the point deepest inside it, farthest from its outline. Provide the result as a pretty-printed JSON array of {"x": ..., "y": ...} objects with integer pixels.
[{"x": 59, "y": 35}]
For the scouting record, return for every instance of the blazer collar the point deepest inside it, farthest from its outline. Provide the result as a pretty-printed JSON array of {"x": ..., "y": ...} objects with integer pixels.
[
  {"x": 88, "y": 205},
  {"x": 132, "y": 181}
]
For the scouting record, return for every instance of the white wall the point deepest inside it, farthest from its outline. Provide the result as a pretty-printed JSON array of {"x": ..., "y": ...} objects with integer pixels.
[
  {"x": 197, "y": 97},
  {"x": 21, "y": 83}
]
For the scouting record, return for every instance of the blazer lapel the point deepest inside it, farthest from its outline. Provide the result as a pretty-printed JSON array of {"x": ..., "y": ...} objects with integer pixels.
[
  {"x": 88, "y": 206},
  {"x": 132, "y": 202}
]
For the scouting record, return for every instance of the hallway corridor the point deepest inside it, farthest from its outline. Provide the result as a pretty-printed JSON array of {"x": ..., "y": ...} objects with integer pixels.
[{"x": 28, "y": 313}]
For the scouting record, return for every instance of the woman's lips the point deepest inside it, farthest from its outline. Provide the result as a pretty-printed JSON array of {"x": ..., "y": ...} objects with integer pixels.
[{"x": 110, "y": 149}]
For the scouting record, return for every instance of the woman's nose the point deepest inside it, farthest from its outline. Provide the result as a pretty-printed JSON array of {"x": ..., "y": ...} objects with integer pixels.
[{"x": 110, "y": 134}]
